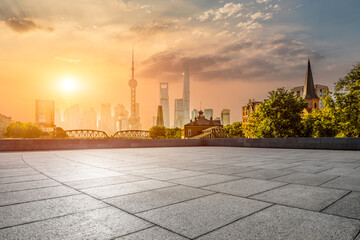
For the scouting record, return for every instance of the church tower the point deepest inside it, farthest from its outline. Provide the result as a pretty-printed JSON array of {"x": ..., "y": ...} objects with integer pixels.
[{"x": 309, "y": 94}]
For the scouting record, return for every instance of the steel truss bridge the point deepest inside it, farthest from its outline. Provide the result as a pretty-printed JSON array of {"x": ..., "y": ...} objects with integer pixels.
[
  {"x": 97, "y": 134},
  {"x": 213, "y": 132}
]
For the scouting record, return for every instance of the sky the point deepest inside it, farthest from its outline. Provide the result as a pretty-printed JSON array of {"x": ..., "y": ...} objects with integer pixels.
[{"x": 236, "y": 50}]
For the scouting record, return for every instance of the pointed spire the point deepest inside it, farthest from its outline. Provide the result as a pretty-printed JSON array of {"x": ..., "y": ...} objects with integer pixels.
[
  {"x": 309, "y": 88},
  {"x": 133, "y": 68}
]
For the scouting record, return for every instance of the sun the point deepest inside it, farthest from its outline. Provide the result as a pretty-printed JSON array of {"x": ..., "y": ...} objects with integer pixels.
[{"x": 68, "y": 84}]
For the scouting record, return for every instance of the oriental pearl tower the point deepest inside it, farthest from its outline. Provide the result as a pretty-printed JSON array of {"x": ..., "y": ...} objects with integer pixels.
[{"x": 134, "y": 119}]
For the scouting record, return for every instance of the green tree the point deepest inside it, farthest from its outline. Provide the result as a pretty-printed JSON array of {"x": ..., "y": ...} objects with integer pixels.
[
  {"x": 157, "y": 132},
  {"x": 23, "y": 130},
  {"x": 173, "y": 133},
  {"x": 235, "y": 129},
  {"x": 279, "y": 117},
  {"x": 346, "y": 104},
  {"x": 320, "y": 123}
]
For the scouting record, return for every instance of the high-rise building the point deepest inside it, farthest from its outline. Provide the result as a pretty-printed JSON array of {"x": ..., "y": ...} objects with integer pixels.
[
  {"x": 105, "y": 122},
  {"x": 71, "y": 118},
  {"x": 179, "y": 113},
  {"x": 225, "y": 117},
  {"x": 134, "y": 119},
  {"x": 194, "y": 114},
  {"x": 88, "y": 120},
  {"x": 120, "y": 118},
  {"x": 208, "y": 113},
  {"x": 45, "y": 113},
  {"x": 186, "y": 94},
  {"x": 164, "y": 102},
  {"x": 160, "y": 117}
]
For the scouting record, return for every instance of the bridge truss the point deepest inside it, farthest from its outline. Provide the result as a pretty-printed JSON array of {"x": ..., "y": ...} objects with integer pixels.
[
  {"x": 86, "y": 134},
  {"x": 96, "y": 134}
]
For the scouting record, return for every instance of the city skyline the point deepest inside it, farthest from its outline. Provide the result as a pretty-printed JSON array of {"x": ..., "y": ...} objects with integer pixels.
[{"x": 236, "y": 50}]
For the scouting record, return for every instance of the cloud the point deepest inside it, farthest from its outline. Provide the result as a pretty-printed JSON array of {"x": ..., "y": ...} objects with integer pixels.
[
  {"x": 249, "y": 25},
  {"x": 263, "y": 1},
  {"x": 261, "y": 15},
  {"x": 75, "y": 61},
  {"x": 25, "y": 25},
  {"x": 287, "y": 48},
  {"x": 157, "y": 25},
  {"x": 228, "y": 10}
]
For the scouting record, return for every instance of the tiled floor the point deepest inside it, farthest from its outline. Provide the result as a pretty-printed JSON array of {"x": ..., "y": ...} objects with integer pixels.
[{"x": 180, "y": 193}]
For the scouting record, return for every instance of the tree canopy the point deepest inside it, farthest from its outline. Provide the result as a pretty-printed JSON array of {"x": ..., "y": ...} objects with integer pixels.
[
  {"x": 235, "y": 129},
  {"x": 23, "y": 130},
  {"x": 278, "y": 117}
]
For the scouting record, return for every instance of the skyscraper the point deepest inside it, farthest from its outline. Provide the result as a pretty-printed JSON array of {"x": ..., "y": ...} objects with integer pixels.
[
  {"x": 45, "y": 113},
  {"x": 179, "y": 113},
  {"x": 208, "y": 113},
  {"x": 134, "y": 119},
  {"x": 186, "y": 94},
  {"x": 225, "y": 117},
  {"x": 160, "y": 117},
  {"x": 105, "y": 122},
  {"x": 88, "y": 119},
  {"x": 164, "y": 102}
]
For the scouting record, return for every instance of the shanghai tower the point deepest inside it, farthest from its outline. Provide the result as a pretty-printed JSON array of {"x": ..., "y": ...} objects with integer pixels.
[{"x": 186, "y": 94}]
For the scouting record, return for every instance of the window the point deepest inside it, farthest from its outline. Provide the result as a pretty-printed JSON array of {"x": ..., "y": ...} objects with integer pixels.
[
  {"x": 315, "y": 105},
  {"x": 298, "y": 93},
  {"x": 189, "y": 132}
]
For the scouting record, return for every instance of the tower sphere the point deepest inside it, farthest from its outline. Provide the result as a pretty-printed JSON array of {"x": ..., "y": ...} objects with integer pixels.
[{"x": 132, "y": 83}]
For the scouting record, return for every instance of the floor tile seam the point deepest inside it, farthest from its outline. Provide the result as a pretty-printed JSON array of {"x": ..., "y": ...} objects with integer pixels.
[
  {"x": 358, "y": 234},
  {"x": 107, "y": 184},
  {"x": 38, "y": 200},
  {"x": 334, "y": 177},
  {"x": 146, "y": 220},
  {"x": 234, "y": 174},
  {"x": 346, "y": 194},
  {"x": 18, "y": 175},
  {"x": 21, "y": 190},
  {"x": 265, "y": 201},
  {"x": 127, "y": 234},
  {"x": 239, "y": 219},
  {"x": 200, "y": 187},
  {"x": 144, "y": 191},
  {"x": 175, "y": 203},
  {"x": 299, "y": 208},
  {"x": 270, "y": 179},
  {"x": 22, "y": 181},
  {"x": 296, "y": 183},
  {"x": 55, "y": 217},
  {"x": 165, "y": 180}
]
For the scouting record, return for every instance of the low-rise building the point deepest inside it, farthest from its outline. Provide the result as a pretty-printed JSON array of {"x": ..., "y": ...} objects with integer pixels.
[
  {"x": 198, "y": 125},
  {"x": 252, "y": 106}
]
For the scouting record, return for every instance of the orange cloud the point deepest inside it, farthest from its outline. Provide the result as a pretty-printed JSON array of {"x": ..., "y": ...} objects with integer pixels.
[{"x": 25, "y": 25}]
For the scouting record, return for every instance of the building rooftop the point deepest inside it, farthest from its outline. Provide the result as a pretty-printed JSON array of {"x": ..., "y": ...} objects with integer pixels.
[{"x": 180, "y": 193}]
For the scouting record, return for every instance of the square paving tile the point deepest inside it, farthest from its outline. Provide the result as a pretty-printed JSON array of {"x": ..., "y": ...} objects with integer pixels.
[
  {"x": 22, "y": 178},
  {"x": 39, "y": 210},
  {"x": 139, "y": 202},
  {"x": 35, "y": 194},
  {"x": 309, "y": 169},
  {"x": 305, "y": 178},
  {"x": 307, "y": 197},
  {"x": 349, "y": 206},
  {"x": 199, "y": 216},
  {"x": 153, "y": 233},
  {"x": 244, "y": 187},
  {"x": 347, "y": 183},
  {"x": 285, "y": 223},
  {"x": 10, "y": 187},
  {"x": 340, "y": 171},
  {"x": 125, "y": 188},
  {"x": 265, "y": 173},
  {"x": 98, "y": 182},
  {"x": 175, "y": 175},
  {"x": 204, "y": 180},
  {"x": 104, "y": 223},
  {"x": 230, "y": 170}
]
